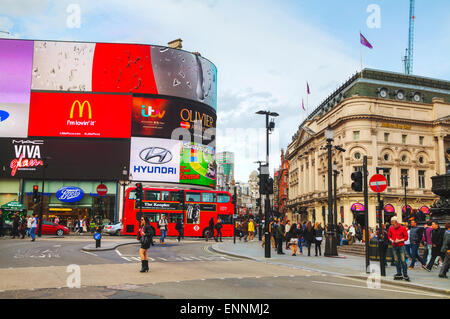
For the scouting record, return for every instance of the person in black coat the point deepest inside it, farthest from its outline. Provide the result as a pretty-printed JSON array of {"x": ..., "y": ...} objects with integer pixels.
[
  {"x": 318, "y": 234},
  {"x": 210, "y": 232},
  {"x": 437, "y": 237},
  {"x": 23, "y": 226},
  {"x": 144, "y": 236},
  {"x": 15, "y": 225},
  {"x": 179, "y": 227},
  {"x": 219, "y": 230},
  {"x": 308, "y": 236}
]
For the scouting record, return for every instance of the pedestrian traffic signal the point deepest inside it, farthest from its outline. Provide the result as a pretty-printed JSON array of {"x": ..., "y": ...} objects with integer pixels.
[
  {"x": 357, "y": 181},
  {"x": 234, "y": 199},
  {"x": 266, "y": 184},
  {"x": 36, "y": 196}
]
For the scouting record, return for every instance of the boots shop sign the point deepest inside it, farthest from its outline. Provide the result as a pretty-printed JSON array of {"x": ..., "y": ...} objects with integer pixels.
[{"x": 27, "y": 157}]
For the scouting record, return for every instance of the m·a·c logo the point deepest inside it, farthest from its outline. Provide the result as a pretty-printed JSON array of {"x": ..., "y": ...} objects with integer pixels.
[{"x": 155, "y": 155}]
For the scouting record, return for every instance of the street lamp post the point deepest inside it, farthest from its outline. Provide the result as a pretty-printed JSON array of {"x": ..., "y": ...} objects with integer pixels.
[
  {"x": 405, "y": 183},
  {"x": 335, "y": 173},
  {"x": 269, "y": 127},
  {"x": 331, "y": 240},
  {"x": 124, "y": 184},
  {"x": 260, "y": 204}
]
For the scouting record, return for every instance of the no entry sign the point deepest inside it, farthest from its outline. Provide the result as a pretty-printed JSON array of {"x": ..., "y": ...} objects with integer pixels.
[
  {"x": 102, "y": 190},
  {"x": 378, "y": 183}
]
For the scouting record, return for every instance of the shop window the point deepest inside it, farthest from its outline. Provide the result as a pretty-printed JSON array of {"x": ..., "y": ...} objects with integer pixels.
[{"x": 152, "y": 195}]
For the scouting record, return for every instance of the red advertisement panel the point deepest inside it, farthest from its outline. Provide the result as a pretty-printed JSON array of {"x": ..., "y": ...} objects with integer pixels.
[
  {"x": 123, "y": 68},
  {"x": 80, "y": 115}
]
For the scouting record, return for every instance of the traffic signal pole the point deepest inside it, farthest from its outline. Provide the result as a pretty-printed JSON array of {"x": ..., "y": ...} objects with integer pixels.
[{"x": 366, "y": 213}]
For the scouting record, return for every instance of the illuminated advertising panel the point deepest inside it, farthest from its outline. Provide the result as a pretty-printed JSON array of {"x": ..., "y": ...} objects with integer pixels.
[
  {"x": 68, "y": 158},
  {"x": 123, "y": 68},
  {"x": 172, "y": 118},
  {"x": 198, "y": 166},
  {"x": 80, "y": 115},
  {"x": 16, "y": 62},
  {"x": 153, "y": 159}
]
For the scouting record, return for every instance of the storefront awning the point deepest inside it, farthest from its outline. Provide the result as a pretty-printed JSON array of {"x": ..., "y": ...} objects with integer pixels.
[{"x": 13, "y": 206}]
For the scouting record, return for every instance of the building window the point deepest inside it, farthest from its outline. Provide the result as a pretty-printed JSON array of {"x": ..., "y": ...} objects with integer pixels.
[
  {"x": 421, "y": 179},
  {"x": 421, "y": 160},
  {"x": 404, "y": 177},
  {"x": 386, "y": 157},
  {"x": 404, "y": 158},
  {"x": 386, "y": 137},
  {"x": 357, "y": 155},
  {"x": 358, "y": 168},
  {"x": 356, "y": 135},
  {"x": 421, "y": 140},
  {"x": 404, "y": 138},
  {"x": 387, "y": 174}
]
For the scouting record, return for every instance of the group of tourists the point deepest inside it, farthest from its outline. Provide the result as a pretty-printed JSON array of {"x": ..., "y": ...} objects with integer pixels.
[
  {"x": 246, "y": 229},
  {"x": 295, "y": 236},
  {"x": 21, "y": 226}
]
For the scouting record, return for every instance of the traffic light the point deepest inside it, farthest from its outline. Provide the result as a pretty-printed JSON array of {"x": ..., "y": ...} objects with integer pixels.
[
  {"x": 357, "y": 181},
  {"x": 139, "y": 192},
  {"x": 258, "y": 202},
  {"x": 36, "y": 196},
  {"x": 234, "y": 200},
  {"x": 266, "y": 184}
]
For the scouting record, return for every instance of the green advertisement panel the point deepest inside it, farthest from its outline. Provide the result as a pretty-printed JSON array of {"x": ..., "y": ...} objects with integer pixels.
[{"x": 198, "y": 165}]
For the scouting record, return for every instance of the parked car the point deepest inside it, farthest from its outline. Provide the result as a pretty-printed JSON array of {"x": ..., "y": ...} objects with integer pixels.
[
  {"x": 114, "y": 229},
  {"x": 49, "y": 228}
]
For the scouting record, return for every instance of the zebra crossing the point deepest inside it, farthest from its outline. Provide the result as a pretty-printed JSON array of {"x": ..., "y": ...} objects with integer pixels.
[{"x": 177, "y": 258}]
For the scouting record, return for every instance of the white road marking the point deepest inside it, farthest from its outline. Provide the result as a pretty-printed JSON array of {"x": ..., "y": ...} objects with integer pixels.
[
  {"x": 162, "y": 258},
  {"x": 186, "y": 258},
  {"x": 381, "y": 289},
  {"x": 86, "y": 252}
]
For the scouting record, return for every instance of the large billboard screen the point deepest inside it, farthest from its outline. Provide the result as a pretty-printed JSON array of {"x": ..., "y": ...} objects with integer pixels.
[
  {"x": 198, "y": 165},
  {"x": 80, "y": 115},
  {"x": 68, "y": 158},
  {"x": 16, "y": 63},
  {"x": 172, "y": 118},
  {"x": 123, "y": 68},
  {"x": 156, "y": 160}
]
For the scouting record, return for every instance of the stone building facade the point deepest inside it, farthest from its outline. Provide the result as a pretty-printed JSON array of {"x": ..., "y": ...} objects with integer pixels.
[{"x": 400, "y": 122}]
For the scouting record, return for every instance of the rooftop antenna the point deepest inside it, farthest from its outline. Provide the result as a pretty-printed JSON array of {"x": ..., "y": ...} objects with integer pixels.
[{"x": 408, "y": 59}]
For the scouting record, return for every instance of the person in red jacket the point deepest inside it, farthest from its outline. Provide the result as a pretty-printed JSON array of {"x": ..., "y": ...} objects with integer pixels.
[{"x": 397, "y": 236}]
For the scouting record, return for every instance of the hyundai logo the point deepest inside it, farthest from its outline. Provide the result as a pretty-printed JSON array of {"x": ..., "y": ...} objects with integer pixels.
[
  {"x": 155, "y": 155},
  {"x": 3, "y": 115}
]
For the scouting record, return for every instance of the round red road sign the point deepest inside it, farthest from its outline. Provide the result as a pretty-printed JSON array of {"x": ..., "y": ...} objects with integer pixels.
[
  {"x": 378, "y": 183},
  {"x": 102, "y": 190}
]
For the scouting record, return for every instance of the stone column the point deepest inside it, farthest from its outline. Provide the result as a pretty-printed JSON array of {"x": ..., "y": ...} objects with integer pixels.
[{"x": 441, "y": 154}]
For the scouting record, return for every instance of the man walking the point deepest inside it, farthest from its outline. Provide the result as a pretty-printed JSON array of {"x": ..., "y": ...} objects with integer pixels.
[
  {"x": 428, "y": 245},
  {"x": 33, "y": 228},
  {"x": 179, "y": 227},
  {"x": 446, "y": 251},
  {"x": 163, "y": 228},
  {"x": 15, "y": 225},
  {"x": 219, "y": 230},
  {"x": 437, "y": 237},
  {"x": 210, "y": 232},
  {"x": 279, "y": 233},
  {"x": 397, "y": 235},
  {"x": 415, "y": 236}
]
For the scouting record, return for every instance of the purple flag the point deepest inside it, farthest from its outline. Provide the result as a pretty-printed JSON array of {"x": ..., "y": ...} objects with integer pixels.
[
  {"x": 364, "y": 41},
  {"x": 307, "y": 88},
  {"x": 303, "y": 106}
]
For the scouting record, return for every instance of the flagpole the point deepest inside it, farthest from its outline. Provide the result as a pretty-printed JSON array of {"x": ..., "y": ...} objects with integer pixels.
[{"x": 360, "y": 51}]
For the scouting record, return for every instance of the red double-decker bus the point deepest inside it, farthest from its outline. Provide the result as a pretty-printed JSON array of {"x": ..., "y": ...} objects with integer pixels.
[{"x": 194, "y": 207}]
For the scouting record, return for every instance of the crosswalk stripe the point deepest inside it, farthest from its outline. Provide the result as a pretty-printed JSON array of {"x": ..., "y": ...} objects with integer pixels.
[{"x": 186, "y": 258}]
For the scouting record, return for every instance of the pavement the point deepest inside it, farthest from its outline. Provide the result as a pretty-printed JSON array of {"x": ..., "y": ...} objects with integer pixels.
[{"x": 344, "y": 265}]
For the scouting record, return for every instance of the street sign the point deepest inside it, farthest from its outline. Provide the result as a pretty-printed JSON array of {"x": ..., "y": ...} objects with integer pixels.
[
  {"x": 97, "y": 236},
  {"x": 102, "y": 190},
  {"x": 378, "y": 183}
]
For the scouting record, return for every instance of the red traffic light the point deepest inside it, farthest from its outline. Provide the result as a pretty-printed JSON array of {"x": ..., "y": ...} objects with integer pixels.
[{"x": 35, "y": 188}]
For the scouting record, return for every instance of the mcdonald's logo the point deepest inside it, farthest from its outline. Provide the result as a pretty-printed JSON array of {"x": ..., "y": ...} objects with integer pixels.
[{"x": 81, "y": 108}]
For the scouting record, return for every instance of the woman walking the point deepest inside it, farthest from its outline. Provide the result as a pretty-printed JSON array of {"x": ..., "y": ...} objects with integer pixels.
[
  {"x": 144, "y": 237},
  {"x": 318, "y": 233},
  {"x": 308, "y": 235}
]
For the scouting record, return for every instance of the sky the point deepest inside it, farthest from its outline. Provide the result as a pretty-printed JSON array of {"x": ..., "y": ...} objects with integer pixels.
[{"x": 265, "y": 51}]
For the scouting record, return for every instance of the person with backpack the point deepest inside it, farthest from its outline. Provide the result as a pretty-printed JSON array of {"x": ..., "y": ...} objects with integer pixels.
[
  {"x": 179, "y": 227},
  {"x": 163, "y": 228},
  {"x": 308, "y": 235},
  {"x": 219, "y": 230}
]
